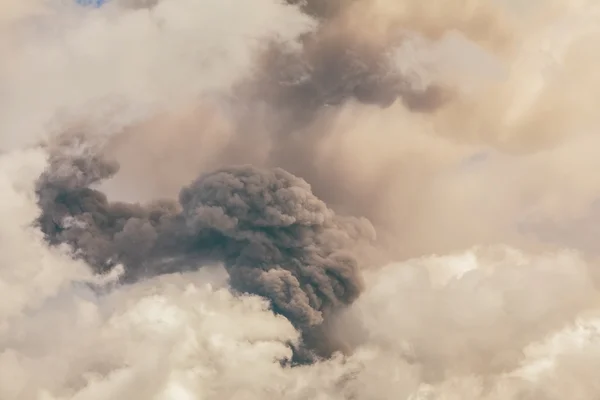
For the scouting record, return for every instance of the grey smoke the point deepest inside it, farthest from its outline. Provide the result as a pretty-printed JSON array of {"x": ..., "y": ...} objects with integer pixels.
[
  {"x": 275, "y": 238},
  {"x": 336, "y": 65},
  {"x": 327, "y": 68},
  {"x": 292, "y": 90},
  {"x": 288, "y": 102},
  {"x": 104, "y": 233},
  {"x": 333, "y": 67},
  {"x": 320, "y": 8},
  {"x": 282, "y": 242}
]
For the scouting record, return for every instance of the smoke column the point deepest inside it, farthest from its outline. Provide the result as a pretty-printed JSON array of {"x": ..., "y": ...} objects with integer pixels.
[
  {"x": 276, "y": 239},
  {"x": 191, "y": 190}
]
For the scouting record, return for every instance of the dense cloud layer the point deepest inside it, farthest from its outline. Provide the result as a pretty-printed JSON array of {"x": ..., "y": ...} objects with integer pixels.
[{"x": 455, "y": 126}]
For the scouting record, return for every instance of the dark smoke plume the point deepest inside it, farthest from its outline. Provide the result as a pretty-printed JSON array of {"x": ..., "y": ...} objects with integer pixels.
[
  {"x": 275, "y": 238},
  {"x": 288, "y": 102},
  {"x": 320, "y": 8},
  {"x": 279, "y": 240},
  {"x": 292, "y": 90},
  {"x": 334, "y": 67},
  {"x": 103, "y": 233}
]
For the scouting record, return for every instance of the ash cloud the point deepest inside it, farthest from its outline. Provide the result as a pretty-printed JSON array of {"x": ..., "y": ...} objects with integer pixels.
[
  {"x": 301, "y": 103},
  {"x": 491, "y": 323},
  {"x": 334, "y": 67},
  {"x": 101, "y": 232},
  {"x": 280, "y": 241},
  {"x": 274, "y": 236}
]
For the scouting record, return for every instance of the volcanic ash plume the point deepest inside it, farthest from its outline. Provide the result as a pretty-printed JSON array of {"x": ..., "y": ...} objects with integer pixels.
[
  {"x": 279, "y": 240},
  {"x": 464, "y": 130},
  {"x": 101, "y": 232},
  {"x": 276, "y": 239}
]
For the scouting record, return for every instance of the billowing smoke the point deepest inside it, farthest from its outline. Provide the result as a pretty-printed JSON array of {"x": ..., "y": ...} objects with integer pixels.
[
  {"x": 301, "y": 99},
  {"x": 280, "y": 241},
  {"x": 333, "y": 68},
  {"x": 206, "y": 235},
  {"x": 275, "y": 238},
  {"x": 101, "y": 232}
]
